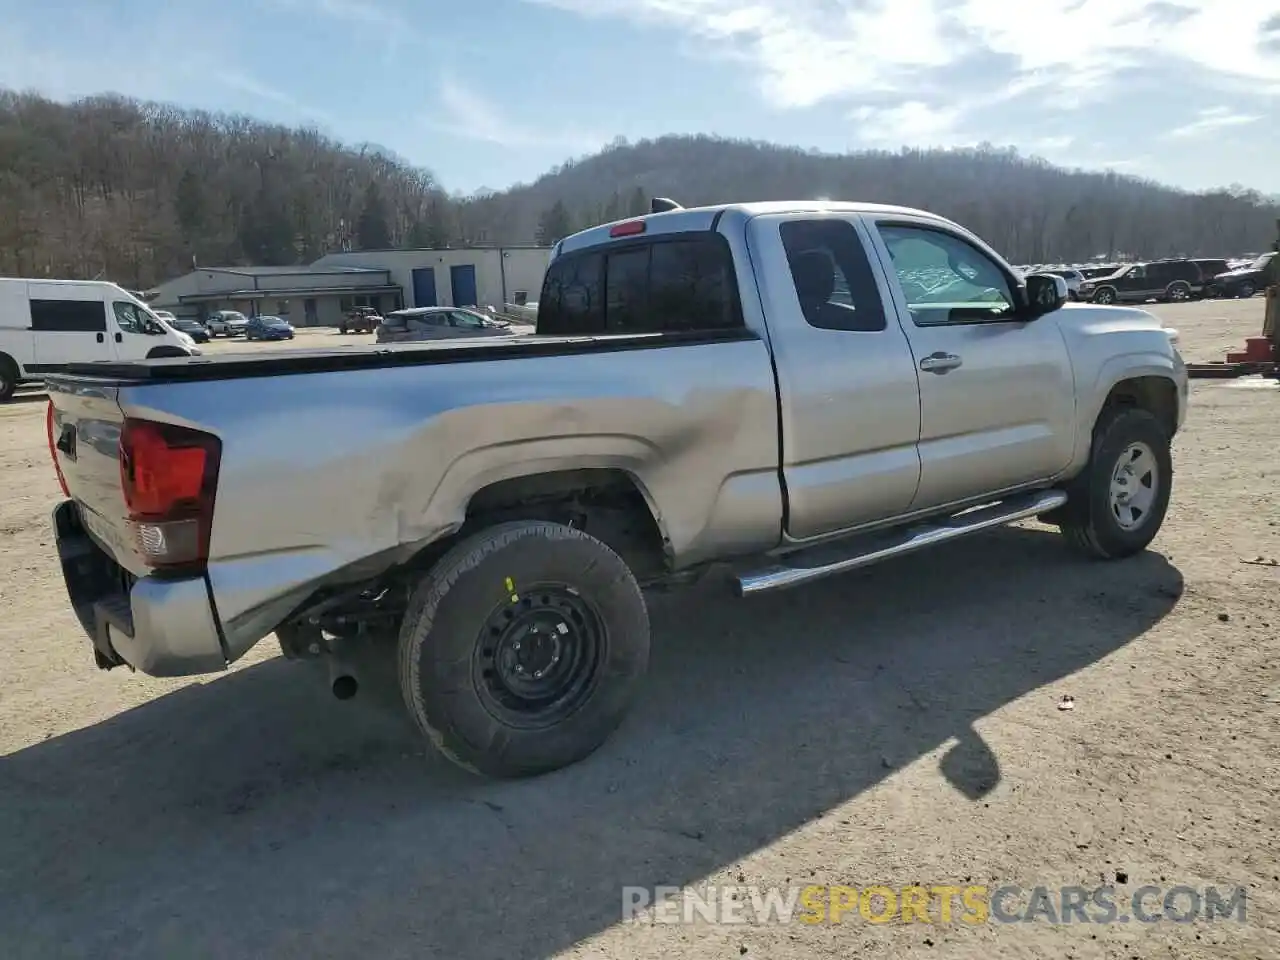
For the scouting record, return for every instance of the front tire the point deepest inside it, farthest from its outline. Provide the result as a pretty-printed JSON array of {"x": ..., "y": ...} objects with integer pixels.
[
  {"x": 1105, "y": 296},
  {"x": 1118, "y": 503},
  {"x": 523, "y": 648}
]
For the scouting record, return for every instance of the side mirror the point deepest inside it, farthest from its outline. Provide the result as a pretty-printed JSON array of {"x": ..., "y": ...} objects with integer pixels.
[{"x": 1046, "y": 292}]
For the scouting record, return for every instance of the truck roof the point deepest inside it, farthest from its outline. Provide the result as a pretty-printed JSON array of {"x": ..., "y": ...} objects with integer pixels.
[{"x": 684, "y": 220}]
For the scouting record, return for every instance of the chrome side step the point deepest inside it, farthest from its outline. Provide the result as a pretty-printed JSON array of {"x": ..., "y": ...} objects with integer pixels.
[{"x": 805, "y": 566}]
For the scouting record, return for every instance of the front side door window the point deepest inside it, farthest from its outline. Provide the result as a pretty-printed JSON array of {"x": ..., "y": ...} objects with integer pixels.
[
  {"x": 129, "y": 318},
  {"x": 946, "y": 280}
]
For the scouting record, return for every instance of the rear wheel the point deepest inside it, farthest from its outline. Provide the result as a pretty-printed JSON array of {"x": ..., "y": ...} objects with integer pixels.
[
  {"x": 9, "y": 377},
  {"x": 523, "y": 648},
  {"x": 1246, "y": 290},
  {"x": 1118, "y": 503},
  {"x": 1178, "y": 291}
]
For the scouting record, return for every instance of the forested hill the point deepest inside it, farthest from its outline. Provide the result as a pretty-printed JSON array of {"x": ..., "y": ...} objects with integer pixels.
[
  {"x": 1028, "y": 209},
  {"x": 108, "y": 187}
]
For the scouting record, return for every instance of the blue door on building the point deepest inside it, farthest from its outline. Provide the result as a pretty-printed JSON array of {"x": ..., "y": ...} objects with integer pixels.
[
  {"x": 424, "y": 287},
  {"x": 463, "y": 280}
]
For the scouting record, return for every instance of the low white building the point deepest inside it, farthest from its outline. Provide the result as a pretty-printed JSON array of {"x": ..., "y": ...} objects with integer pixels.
[
  {"x": 320, "y": 293},
  {"x": 456, "y": 278}
]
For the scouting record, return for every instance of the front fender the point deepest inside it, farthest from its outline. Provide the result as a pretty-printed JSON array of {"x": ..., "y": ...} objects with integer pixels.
[{"x": 1116, "y": 369}]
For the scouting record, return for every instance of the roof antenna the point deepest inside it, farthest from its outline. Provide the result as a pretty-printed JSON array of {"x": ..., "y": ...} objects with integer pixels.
[{"x": 663, "y": 205}]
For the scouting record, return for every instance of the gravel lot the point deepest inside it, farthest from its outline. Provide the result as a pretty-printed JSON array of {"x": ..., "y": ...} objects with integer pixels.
[{"x": 892, "y": 727}]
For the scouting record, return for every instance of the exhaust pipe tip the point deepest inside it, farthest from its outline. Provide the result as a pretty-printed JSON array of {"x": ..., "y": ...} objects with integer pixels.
[{"x": 344, "y": 686}]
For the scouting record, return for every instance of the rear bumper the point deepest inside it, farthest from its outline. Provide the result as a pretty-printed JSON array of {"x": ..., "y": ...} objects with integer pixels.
[{"x": 164, "y": 628}]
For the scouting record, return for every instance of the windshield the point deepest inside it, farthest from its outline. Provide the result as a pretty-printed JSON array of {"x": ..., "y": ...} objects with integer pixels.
[
  {"x": 233, "y": 316},
  {"x": 1261, "y": 262}
]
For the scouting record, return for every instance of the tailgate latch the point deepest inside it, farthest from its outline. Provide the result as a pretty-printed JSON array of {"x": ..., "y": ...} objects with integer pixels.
[{"x": 67, "y": 441}]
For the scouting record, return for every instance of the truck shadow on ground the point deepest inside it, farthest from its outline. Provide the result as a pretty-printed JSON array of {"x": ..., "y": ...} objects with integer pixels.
[{"x": 255, "y": 816}]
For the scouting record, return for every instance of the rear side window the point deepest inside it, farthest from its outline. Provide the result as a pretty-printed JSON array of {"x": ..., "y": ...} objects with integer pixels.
[
  {"x": 69, "y": 316},
  {"x": 572, "y": 299},
  {"x": 832, "y": 275},
  {"x": 682, "y": 284}
]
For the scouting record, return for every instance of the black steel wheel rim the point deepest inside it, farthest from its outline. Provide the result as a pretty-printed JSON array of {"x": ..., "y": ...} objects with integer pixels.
[{"x": 538, "y": 656}]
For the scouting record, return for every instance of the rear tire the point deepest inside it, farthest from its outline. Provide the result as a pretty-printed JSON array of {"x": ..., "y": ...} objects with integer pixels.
[
  {"x": 1178, "y": 291},
  {"x": 1118, "y": 503},
  {"x": 1245, "y": 290},
  {"x": 9, "y": 377},
  {"x": 523, "y": 648}
]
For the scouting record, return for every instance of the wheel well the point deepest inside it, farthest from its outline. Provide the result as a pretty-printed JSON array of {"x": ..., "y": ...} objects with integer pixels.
[
  {"x": 8, "y": 363},
  {"x": 1155, "y": 394},
  {"x": 606, "y": 503},
  {"x": 156, "y": 353}
]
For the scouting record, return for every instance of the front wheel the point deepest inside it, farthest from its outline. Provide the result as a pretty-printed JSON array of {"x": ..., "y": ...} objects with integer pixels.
[
  {"x": 1118, "y": 503},
  {"x": 523, "y": 648},
  {"x": 1105, "y": 295}
]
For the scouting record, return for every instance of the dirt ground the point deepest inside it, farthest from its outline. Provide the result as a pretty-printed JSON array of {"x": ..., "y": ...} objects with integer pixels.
[{"x": 898, "y": 726}]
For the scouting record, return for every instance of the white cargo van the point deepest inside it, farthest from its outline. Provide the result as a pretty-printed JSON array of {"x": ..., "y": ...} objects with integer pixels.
[{"x": 47, "y": 324}]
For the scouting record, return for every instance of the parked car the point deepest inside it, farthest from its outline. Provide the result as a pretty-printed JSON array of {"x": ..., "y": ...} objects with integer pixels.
[
  {"x": 1172, "y": 280},
  {"x": 1209, "y": 268},
  {"x": 359, "y": 320},
  {"x": 761, "y": 385},
  {"x": 1243, "y": 281},
  {"x": 47, "y": 324},
  {"x": 192, "y": 328},
  {"x": 268, "y": 328},
  {"x": 226, "y": 323},
  {"x": 442, "y": 323},
  {"x": 1073, "y": 277}
]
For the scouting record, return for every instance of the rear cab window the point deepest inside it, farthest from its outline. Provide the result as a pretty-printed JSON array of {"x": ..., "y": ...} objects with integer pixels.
[{"x": 671, "y": 283}]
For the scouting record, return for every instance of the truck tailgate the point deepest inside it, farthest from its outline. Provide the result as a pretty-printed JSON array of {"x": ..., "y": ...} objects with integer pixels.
[{"x": 85, "y": 429}]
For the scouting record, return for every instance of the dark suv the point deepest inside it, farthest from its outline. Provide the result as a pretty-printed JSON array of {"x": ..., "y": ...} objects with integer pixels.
[
  {"x": 1208, "y": 270},
  {"x": 1139, "y": 282}
]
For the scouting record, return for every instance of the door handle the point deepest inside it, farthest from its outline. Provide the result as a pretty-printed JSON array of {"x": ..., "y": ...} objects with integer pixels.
[
  {"x": 102, "y": 338},
  {"x": 940, "y": 362},
  {"x": 119, "y": 338}
]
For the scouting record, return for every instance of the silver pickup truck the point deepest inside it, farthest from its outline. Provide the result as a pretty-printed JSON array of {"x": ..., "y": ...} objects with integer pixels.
[{"x": 792, "y": 389}]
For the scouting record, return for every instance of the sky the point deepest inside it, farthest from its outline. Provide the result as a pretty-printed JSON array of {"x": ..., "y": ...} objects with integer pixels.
[{"x": 487, "y": 93}]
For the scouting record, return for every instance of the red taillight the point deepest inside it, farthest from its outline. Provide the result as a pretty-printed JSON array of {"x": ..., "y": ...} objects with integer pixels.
[
  {"x": 169, "y": 475},
  {"x": 629, "y": 229},
  {"x": 53, "y": 449}
]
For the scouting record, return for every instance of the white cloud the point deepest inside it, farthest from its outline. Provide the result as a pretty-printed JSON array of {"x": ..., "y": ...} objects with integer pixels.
[
  {"x": 1051, "y": 144},
  {"x": 1214, "y": 118},
  {"x": 913, "y": 123},
  {"x": 358, "y": 12},
  {"x": 806, "y": 52},
  {"x": 468, "y": 114}
]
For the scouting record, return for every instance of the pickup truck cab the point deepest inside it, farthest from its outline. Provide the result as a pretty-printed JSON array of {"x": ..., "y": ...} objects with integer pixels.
[
  {"x": 791, "y": 390},
  {"x": 47, "y": 324}
]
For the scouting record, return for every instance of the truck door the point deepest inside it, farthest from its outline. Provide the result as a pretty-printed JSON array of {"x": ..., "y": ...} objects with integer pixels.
[
  {"x": 997, "y": 395},
  {"x": 847, "y": 390},
  {"x": 69, "y": 324},
  {"x": 135, "y": 334}
]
